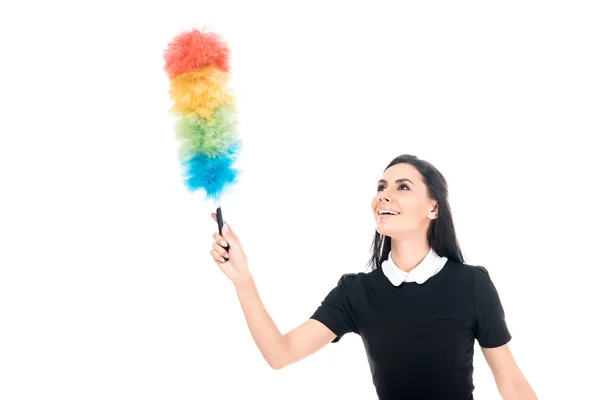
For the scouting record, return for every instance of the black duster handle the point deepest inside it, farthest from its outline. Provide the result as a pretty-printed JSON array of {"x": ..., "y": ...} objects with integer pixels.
[{"x": 220, "y": 222}]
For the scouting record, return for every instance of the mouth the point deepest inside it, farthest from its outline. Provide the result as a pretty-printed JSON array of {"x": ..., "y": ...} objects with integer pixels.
[{"x": 382, "y": 215}]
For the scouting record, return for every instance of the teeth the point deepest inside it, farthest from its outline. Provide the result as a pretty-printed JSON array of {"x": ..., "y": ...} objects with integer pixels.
[{"x": 381, "y": 212}]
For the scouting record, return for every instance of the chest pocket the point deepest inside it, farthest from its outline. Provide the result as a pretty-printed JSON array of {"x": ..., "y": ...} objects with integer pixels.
[{"x": 446, "y": 320}]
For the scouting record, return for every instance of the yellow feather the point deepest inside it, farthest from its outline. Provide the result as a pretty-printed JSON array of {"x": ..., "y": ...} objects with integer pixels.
[{"x": 200, "y": 91}]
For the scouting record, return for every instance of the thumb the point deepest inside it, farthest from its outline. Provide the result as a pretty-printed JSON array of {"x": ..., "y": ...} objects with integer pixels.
[{"x": 229, "y": 235}]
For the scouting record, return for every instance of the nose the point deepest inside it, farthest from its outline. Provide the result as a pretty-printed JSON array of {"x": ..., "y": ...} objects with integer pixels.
[{"x": 383, "y": 196}]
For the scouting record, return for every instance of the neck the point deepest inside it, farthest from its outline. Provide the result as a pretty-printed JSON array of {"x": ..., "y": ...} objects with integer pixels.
[{"x": 408, "y": 252}]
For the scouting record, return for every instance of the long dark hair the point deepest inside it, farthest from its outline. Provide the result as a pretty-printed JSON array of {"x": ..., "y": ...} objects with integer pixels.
[{"x": 441, "y": 235}]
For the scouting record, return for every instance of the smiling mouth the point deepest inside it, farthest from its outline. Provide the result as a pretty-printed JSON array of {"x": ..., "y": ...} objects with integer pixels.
[
  {"x": 385, "y": 216},
  {"x": 384, "y": 211},
  {"x": 380, "y": 211}
]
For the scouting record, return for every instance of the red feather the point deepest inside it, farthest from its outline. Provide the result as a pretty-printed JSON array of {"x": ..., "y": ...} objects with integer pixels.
[{"x": 193, "y": 50}]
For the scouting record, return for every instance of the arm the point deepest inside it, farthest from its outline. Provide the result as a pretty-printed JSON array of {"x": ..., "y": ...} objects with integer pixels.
[
  {"x": 511, "y": 383},
  {"x": 277, "y": 349}
]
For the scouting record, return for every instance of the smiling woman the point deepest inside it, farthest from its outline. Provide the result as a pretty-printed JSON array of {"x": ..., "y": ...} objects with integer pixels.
[
  {"x": 418, "y": 311},
  {"x": 420, "y": 308}
]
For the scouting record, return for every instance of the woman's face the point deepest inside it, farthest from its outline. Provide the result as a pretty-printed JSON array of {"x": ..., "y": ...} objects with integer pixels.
[{"x": 402, "y": 190}]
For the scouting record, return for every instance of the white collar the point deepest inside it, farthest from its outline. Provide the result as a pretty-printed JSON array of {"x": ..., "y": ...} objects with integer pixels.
[{"x": 431, "y": 265}]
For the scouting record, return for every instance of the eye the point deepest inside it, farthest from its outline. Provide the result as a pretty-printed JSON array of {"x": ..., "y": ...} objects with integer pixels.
[{"x": 401, "y": 186}]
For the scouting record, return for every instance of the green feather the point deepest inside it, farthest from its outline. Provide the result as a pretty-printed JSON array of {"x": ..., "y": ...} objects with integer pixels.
[{"x": 197, "y": 136}]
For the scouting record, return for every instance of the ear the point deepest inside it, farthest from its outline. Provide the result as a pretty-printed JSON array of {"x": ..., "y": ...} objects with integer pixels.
[{"x": 433, "y": 214}]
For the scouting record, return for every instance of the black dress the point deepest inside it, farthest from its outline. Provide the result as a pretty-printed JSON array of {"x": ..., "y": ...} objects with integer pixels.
[{"x": 419, "y": 337}]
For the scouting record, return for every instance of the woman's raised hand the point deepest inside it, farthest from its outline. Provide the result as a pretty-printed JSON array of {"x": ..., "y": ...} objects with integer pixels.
[{"x": 236, "y": 267}]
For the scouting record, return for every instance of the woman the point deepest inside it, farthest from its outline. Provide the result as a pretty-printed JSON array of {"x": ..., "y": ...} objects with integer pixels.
[{"x": 418, "y": 311}]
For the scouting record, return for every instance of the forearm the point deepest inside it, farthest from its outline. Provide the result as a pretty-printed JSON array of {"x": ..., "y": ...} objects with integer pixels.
[
  {"x": 268, "y": 339},
  {"x": 523, "y": 391}
]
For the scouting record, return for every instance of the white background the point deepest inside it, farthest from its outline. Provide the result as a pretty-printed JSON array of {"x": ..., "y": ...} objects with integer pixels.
[{"x": 107, "y": 288}]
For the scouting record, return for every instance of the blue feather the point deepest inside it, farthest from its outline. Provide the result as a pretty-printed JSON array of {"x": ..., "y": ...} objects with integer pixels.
[{"x": 212, "y": 174}]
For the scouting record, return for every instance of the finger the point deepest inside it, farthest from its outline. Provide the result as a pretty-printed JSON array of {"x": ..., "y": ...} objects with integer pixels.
[
  {"x": 229, "y": 234},
  {"x": 216, "y": 256},
  {"x": 222, "y": 252},
  {"x": 214, "y": 217},
  {"x": 219, "y": 239}
]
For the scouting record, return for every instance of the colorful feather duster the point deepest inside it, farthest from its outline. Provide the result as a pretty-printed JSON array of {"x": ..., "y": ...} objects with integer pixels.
[{"x": 197, "y": 64}]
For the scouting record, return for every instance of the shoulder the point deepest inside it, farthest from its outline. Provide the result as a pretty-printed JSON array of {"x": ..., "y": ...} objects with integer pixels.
[
  {"x": 469, "y": 272},
  {"x": 480, "y": 279},
  {"x": 351, "y": 279},
  {"x": 354, "y": 281},
  {"x": 470, "y": 269},
  {"x": 357, "y": 278}
]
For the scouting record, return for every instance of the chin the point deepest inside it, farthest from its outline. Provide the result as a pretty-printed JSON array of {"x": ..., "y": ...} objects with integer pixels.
[
  {"x": 384, "y": 230},
  {"x": 389, "y": 230}
]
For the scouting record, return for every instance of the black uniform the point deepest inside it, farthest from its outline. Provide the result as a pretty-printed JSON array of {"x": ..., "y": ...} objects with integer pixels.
[{"x": 419, "y": 338}]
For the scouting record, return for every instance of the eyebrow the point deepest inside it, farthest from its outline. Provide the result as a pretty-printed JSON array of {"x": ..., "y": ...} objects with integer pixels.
[{"x": 397, "y": 180}]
